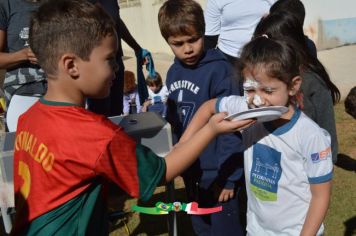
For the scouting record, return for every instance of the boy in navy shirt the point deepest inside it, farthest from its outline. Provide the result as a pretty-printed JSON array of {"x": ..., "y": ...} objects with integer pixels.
[{"x": 195, "y": 77}]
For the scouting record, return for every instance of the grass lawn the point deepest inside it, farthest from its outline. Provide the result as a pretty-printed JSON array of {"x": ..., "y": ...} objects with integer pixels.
[
  {"x": 341, "y": 217},
  {"x": 340, "y": 220}
]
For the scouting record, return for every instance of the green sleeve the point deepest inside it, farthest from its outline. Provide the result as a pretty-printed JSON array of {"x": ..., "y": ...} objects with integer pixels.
[{"x": 151, "y": 170}]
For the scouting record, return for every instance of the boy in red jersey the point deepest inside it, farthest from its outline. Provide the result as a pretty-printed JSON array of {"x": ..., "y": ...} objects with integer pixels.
[{"x": 63, "y": 153}]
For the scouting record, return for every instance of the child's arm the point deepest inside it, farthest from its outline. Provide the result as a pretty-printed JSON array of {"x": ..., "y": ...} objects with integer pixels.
[
  {"x": 182, "y": 156},
  {"x": 145, "y": 105},
  {"x": 317, "y": 209},
  {"x": 127, "y": 37}
]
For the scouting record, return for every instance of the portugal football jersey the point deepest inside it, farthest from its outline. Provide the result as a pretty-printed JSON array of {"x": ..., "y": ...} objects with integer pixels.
[{"x": 62, "y": 154}]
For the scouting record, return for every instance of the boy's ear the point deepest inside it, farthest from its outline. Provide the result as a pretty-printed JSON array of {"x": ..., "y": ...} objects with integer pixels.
[
  {"x": 295, "y": 86},
  {"x": 69, "y": 64}
]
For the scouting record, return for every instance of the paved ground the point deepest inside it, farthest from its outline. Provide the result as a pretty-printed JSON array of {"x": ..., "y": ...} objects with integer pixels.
[
  {"x": 341, "y": 65},
  {"x": 339, "y": 62}
]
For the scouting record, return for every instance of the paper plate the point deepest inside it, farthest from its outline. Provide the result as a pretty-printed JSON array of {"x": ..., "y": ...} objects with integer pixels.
[{"x": 262, "y": 114}]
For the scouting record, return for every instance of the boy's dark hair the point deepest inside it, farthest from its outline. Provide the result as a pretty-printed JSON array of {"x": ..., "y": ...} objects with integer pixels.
[
  {"x": 154, "y": 81},
  {"x": 284, "y": 26},
  {"x": 350, "y": 103},
  {"x": 294, "y": 7},
  {"x": 181, "y": 17},
  {"x": 278, "y": 58},
  {"x": 61, "y": 26}
]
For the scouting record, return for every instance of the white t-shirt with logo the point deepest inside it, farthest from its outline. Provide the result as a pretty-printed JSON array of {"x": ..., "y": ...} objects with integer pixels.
[
  {"x": 280, "y": 165},
  {"x": 161, "y": 96}
]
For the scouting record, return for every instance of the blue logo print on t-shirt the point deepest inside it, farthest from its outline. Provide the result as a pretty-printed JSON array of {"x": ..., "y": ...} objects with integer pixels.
[{"x": 265, "y": 172}]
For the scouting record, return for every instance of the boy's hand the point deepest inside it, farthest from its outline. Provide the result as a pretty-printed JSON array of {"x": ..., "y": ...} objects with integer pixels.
[
  {"x": 226, "y": 194},
  {"x": 219, "y": 125},
  {"x": 222, "y": 194}
]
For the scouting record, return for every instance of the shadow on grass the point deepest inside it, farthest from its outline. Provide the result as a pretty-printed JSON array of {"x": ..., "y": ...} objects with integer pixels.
[
  {"x": 350, "y": 226},
  {"x": 345, "y": 162}
]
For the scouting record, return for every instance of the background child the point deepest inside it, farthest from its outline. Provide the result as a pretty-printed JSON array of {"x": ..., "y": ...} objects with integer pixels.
[
  {"x": 318, "y": 92},
  {"x": 350, "y": 102},
  {"x": 288, "y": 162},
  {"x": 195, "y": 77},
  {"x": 157, "y": 95},
  {"x": 131, "y": 97},
  {"x": 65, "y": 153},
  {"x": 297, "y": 9}
]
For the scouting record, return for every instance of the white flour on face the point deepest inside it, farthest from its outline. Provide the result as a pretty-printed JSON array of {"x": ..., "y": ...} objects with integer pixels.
[{"x": 255, "y": 100}]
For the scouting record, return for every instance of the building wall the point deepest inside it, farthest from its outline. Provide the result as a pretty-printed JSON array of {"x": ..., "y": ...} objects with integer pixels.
[
  {"x": 329, "y": 23},
  {"x": 142, "y": 22}
]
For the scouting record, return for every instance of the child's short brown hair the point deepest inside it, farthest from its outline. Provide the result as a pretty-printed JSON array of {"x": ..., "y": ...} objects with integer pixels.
[
  {"x": 154, "y": 81},
  {"x": 181, "y": 17},
  {"x": 74, "y": 26}
]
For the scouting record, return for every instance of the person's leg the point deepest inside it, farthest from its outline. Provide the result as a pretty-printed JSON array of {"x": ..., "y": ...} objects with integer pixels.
[
  {"x": 117, "y": 91},
  {"x": 200, "y": 224},
  {"x": 242, "y": 198},
  {"x": 99, "y": 106},
  {"x": 112, "y": 105},
  {"x": 227, "y": 222}
]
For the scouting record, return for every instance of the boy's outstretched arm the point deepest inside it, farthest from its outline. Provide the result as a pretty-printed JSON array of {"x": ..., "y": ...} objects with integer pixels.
[
  {"x": 317, "y": 209},
  {"x": 183, "y": 155}
]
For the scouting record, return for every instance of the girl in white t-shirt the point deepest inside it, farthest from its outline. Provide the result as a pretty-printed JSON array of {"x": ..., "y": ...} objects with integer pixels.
[{"x": 288, "y": 161}]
